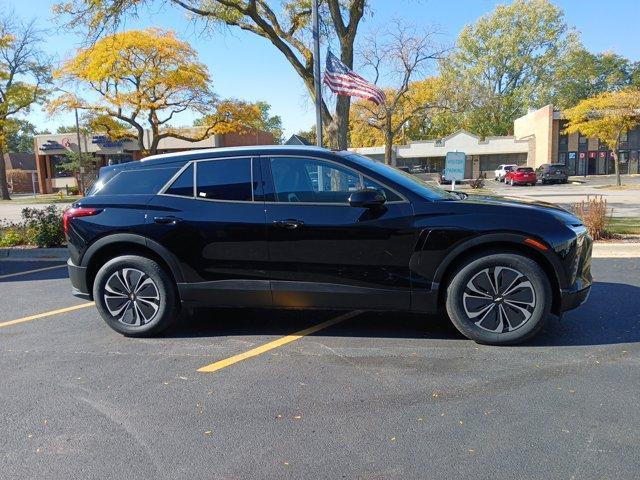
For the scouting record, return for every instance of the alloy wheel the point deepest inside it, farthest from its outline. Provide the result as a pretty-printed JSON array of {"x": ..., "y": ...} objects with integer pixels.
[
  {"x": 499, "y": 299},
  {"x": 131, "y": 297}
]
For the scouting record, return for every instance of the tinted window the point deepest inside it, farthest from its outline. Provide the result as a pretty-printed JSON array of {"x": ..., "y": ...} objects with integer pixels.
[
  {"x": 183, "y": 185},
  {"x": 225, "y": 179},
  {"x": 406, "y": 180},
  {"x": 142, "y": 181},
  {"x": 527, "y": 169},
  {"x": 317, "y": 181}
]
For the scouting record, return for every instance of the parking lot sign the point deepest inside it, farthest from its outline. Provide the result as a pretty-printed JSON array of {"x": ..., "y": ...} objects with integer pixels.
[{"x": 454, "y": 167}]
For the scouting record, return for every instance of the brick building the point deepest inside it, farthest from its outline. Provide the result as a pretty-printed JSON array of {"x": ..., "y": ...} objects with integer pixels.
[{"x": 20, "y": 169}]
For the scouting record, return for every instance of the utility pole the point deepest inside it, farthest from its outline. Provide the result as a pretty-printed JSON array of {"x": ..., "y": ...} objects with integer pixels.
[
  {"x": 316, "y": 70},
  {"x": 80, "y": 163}
]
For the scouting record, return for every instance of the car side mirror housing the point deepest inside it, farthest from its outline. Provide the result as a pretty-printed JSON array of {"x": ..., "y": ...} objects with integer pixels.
[{"x": 367, "y": 198}]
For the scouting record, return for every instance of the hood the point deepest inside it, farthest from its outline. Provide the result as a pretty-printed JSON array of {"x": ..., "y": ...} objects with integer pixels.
[{"x": 543, "y": 207}]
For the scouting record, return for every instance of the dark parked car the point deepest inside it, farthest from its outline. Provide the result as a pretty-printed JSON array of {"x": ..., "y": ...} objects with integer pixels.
[
  {"x": 553, "y": 173},
  {"x": 254, "y": 227}
]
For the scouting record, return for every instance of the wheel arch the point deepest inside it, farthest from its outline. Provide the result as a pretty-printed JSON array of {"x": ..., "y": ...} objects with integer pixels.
[
  {"x": 119, "y": 244},
  {"x": 496, "y": 243}
]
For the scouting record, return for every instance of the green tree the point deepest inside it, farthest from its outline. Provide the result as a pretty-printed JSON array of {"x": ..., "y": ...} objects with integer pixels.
[
  {"x": 584, "y": 74},
  {"x": 24, "y": 74},
  {"x": 20, "y": 135},
  {"x": 270, "y": 123},
  {"x": 606, "y": 116},
  {"x": 286, "y": 25},
  {"x": 505, "y": 63}
]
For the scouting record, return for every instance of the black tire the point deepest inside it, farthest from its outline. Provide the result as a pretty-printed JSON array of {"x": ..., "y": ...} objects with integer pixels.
[
  {"x": 462, "y": 302},
  {"x": 140, "y": 318}
]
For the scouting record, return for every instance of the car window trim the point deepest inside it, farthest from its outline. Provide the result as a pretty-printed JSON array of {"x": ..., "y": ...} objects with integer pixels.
[
  {"x": 341, "y": 204},
  {"x": 194, "y": 195}
]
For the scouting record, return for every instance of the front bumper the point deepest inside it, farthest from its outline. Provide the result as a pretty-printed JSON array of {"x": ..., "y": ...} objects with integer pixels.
[
  {"x": 78, "y": 277},
  {"x": 571, "y": 298}
]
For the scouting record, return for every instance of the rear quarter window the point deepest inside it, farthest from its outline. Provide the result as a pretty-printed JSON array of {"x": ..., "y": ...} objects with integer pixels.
[{"x": 140, "y": 181}]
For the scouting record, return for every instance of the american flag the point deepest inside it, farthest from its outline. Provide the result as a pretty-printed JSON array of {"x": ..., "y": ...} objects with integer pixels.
[{"x": 344, "y": 81}]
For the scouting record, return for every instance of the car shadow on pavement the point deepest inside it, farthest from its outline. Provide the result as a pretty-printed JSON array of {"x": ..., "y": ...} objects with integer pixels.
[{"x": 611, "y": 316}]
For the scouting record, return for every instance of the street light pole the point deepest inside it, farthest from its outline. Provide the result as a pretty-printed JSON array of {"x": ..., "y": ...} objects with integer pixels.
[{"x": 316, "y": 70}]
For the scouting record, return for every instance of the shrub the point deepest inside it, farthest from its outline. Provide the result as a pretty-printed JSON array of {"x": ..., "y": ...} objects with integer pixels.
[
  {"x": 12, "y": 236},
  {"x": 73, "y": 191},
  {"x": 43, "y": 226},
  {"x": 593, "y": 213},
  {"x": 477, "y": 183}
]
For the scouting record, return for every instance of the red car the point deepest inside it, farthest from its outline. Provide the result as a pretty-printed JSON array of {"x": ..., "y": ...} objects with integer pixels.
[{"x": 521, "y": 176}]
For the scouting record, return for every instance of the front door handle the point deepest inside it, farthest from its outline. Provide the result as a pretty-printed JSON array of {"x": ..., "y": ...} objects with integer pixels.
[
  {"x": 170, "y": 220},
  {"x": 289, "y": 224}
]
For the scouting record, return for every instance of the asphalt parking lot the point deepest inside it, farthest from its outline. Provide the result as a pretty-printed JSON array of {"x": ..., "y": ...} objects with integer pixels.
[{"x": 372, "y": 396}]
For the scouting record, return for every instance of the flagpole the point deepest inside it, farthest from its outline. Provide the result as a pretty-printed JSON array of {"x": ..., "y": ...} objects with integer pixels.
[{"x": 316, "y": 70}]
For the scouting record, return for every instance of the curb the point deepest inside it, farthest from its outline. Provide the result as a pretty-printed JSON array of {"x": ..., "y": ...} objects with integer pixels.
[
  {"x": 42, "y": 254},
  {"x": 616, "y": 250}
]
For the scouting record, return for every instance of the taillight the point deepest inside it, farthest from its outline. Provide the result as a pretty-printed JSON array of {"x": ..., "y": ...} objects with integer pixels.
[{"x": 74, "y": 213}]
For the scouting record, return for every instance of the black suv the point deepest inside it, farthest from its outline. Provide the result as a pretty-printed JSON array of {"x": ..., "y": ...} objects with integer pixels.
[
  {"x": 304, "y": 227},
  {"x": 553, "y": 173}
]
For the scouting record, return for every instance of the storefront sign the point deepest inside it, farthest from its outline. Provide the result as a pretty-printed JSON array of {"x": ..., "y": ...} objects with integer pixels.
[{"x": 454, "y": 166}]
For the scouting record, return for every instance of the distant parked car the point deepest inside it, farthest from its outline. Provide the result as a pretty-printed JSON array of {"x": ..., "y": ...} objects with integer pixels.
[
  {"x": 418, "y": 169},
  {"x": 404, "y": 169},
  {"x": 521, "y": 176},
  {"x": 553, "y": 173},
  {"x": 502, "y": 170},
  {"x": 442, "y": 179}
]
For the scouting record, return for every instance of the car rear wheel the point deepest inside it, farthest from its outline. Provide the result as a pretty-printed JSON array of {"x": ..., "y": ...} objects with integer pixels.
[
  {"x": 499, "y": 299},
  {"x": 135, "y": 296}
]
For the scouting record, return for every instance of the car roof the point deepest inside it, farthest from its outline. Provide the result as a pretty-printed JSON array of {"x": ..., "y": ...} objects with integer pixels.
[{"x": 230, "y": 151}]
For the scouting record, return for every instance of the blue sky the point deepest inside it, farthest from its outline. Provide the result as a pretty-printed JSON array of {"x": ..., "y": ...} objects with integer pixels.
[{"x": 245, "y": 66}]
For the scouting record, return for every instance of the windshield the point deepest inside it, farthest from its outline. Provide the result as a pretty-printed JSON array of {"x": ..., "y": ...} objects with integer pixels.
[{"x": 407, "y": 180}]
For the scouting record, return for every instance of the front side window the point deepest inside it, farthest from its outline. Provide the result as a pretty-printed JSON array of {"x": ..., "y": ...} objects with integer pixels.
[
  {"x": 225, "y": 179},
  {"x": 316, "y": 181}
]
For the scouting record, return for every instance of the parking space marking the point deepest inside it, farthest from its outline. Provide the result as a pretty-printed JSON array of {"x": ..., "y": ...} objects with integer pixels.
[
  {"x": 46, "y": 314},
  {"x": 254, "y": 352},
  {"x": 15, "y": 274}
]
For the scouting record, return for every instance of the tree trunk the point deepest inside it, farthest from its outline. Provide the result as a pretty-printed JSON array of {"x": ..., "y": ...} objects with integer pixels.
[
  {"x": 388, "y": 140},
  {"x": 616, "y": 164},
  {"x": 4, "y": 186},
  {"x": 343, "y": 104}
]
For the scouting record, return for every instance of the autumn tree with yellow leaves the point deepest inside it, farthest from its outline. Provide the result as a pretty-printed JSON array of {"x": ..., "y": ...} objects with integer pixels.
[
  {"x": 24, "y": 75},
  {"x": 606, "y": 116},
  {"x": 142, "y": 79}
]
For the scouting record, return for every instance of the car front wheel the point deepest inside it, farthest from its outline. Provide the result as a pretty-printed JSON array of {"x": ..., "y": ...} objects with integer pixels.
[
  {"x": 499, "y": 299},
  {"x": 135, "y": 296}
]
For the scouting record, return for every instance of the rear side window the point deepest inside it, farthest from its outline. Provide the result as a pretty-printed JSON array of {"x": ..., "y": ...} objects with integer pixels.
[
  {"x": 183, "y": 185},
  {"x": 131, "y": 182},
  {"x": 224, "y": 179}
]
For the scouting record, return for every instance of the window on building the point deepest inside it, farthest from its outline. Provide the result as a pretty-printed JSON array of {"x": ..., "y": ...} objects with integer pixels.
[
  {"x": 183, "y": 185},
  {"x": 224, "y": 179},
  {"x": 582, "y": 140}
]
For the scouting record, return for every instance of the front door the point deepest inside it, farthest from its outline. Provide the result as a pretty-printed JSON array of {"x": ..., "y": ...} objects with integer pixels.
[
  {"x": 216, "y": 230},
  {"x": 324, "y": 252}
]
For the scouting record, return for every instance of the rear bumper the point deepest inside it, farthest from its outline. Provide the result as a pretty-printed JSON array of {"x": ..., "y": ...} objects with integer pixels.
[{"x": 78, "y": 277}]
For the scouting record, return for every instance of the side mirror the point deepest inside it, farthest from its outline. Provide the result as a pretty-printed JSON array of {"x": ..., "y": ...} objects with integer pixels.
[{"x": 367, "y": 198}]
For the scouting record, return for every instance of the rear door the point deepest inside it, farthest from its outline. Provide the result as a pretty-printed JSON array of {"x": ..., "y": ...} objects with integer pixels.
[
  {"x": 324, "y": 252},
  {"x": 211, "y": 217}
]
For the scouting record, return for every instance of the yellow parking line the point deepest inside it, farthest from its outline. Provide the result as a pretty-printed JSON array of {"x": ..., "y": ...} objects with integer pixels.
[
  {"x": 31, "y": 271},
  {"x": 46, "y": 314},
  {"x": 276, "y": 343}
]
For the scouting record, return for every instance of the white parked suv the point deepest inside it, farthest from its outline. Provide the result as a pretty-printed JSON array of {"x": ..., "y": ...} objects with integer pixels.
[{"x": 502, "y": 171}]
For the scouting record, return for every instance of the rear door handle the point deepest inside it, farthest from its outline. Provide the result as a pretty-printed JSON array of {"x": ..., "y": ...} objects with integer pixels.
[
  {"x": 289, "y": 224},
  {"x": 167, "y": 220}
]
